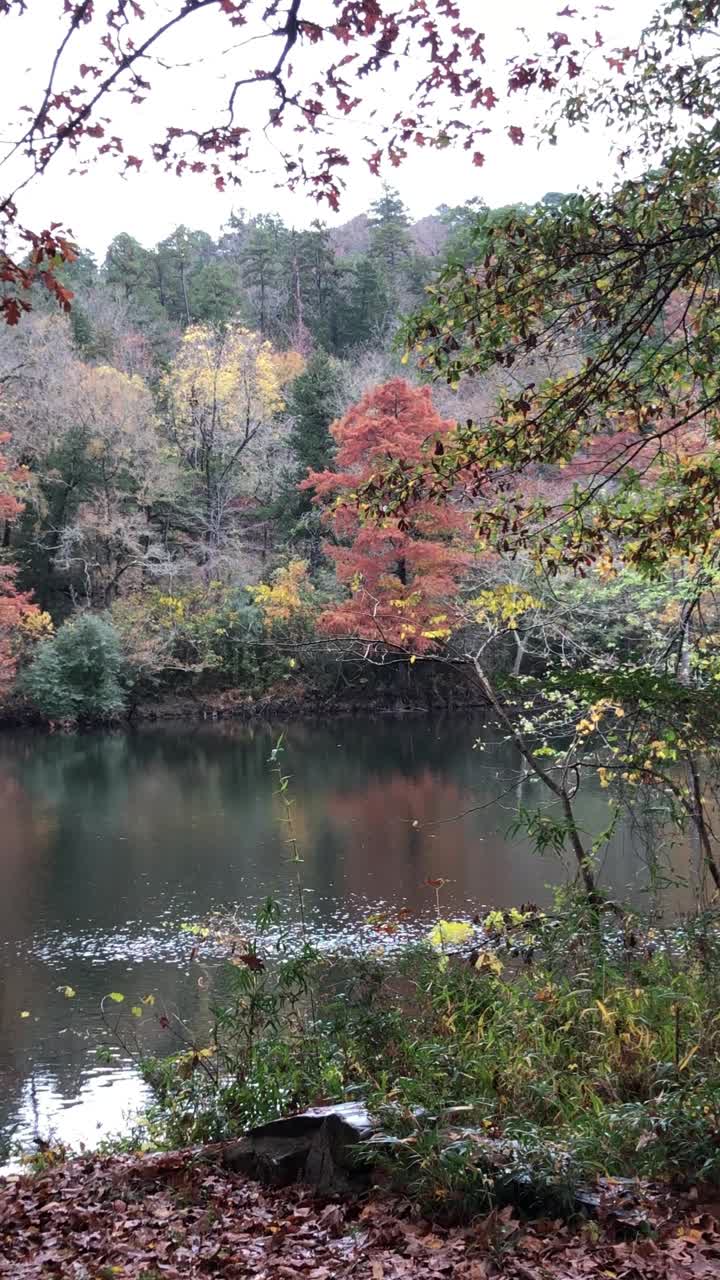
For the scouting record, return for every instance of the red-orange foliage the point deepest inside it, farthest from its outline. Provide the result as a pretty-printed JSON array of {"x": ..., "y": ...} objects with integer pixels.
[
  {"x": 404, "y": 575},
  {"x": 15, "y": 606}
]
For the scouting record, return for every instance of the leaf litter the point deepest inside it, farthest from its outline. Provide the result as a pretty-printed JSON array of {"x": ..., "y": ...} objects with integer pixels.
[{"x": 183, "y": 1215}]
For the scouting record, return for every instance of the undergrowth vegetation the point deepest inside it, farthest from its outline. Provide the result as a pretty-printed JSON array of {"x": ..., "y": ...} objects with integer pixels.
[{"x": 514, "y": 1058}]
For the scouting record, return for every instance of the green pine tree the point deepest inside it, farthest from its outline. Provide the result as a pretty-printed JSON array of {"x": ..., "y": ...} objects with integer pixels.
[
  {"x": 390, "y": 240},
  {"x": 261, "y": 259},
  {"x": 314, "y": 403},
  {"x": 368, "y": 310}
]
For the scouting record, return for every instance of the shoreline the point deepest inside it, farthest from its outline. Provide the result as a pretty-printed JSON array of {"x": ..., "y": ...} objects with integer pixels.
[{"x": 221, "y": 707}]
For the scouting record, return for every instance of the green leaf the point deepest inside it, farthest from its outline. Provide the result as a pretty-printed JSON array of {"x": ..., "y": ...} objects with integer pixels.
[{"x": 117, "y": 996}]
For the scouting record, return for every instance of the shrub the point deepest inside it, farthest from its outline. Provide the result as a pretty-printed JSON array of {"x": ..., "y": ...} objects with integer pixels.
[
  {"x": 211, "y": 637},
  {"x": 76, "y": 674}
]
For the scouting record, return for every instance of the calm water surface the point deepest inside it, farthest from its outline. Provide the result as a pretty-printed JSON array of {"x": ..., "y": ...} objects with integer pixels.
[{"x": 109, "y": 840}]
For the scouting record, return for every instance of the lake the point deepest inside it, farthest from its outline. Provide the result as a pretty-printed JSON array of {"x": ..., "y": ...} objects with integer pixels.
[{"x": 109, "y": 840}]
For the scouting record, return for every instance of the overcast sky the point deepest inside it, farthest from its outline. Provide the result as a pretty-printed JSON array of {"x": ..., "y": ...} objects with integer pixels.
[{"x": 150, "y": 204}]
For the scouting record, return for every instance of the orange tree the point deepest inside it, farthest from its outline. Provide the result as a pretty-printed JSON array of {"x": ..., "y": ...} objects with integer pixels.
[{"x": 402, "y": 575}]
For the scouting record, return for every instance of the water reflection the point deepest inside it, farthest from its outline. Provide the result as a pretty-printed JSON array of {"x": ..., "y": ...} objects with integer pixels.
[{"x": 109, "y": 839}]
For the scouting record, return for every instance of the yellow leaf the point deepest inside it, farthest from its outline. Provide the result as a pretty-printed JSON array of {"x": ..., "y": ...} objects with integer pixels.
[
  {"x": 489, "y": 962},
  {"x": 688, "y": 1057},
  {"x": 450, "y": 931},
  {"x": 605, "y": 1013}
]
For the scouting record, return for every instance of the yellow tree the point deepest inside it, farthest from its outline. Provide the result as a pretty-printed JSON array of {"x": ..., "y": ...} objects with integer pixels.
[{"x": 225, "y": 397}]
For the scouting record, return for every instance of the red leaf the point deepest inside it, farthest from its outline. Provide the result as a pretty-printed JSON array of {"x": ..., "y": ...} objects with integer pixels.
[{"x": 11, "y": 310}]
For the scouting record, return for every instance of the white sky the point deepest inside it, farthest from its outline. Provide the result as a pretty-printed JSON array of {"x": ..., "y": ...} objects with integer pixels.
[{"x": 150, "y": 204}]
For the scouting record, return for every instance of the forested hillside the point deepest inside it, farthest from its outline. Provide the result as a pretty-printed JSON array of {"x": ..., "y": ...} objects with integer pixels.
[{"x": 157, "y": 437}]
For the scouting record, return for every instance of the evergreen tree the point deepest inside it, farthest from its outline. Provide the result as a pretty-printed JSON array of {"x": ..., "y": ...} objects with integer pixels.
[
  {"x": 368, "y": 308},
  {"x": 130, "y": 268},
  {"x": 262, "y": 261},
  {"x": 314, "y": 403},
  {"x": 178, "y": 259},
  {"x": 80, "y": 276},
  {"x": 75, "y": 675},
  {"x": 471, "y": 229},
  {"x": 460, "y": 221},
  {"x": 214, "y": 294},
  {"x": 312, "y": 286},
  {"x": 403, "y": 271},
  {"x": 68, "y": 477},
  {"x": 390, "y": 241}
]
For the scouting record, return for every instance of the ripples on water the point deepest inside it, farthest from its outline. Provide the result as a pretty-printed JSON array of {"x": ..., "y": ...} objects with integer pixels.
[{"x": 110, "y": 840}]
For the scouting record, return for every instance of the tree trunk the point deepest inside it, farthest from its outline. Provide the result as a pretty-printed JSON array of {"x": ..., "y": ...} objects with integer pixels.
[
  {"x": 695, "y": 807},
  {"x": 184, "y": 290},
  {"x": 559, "y": 790}
]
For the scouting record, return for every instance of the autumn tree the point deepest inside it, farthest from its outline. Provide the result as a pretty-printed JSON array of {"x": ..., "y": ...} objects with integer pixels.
[
  {"x": 20, "y": 618},
  {"x": 110, "y": 533},
  {"x": 401, "y": 576},
  {"x": 88, "y": 436},
  {"x": 224, "y": 394}
]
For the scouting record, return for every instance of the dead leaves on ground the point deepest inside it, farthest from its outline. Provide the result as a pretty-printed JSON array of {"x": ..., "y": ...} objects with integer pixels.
[{"x": 182, "y": 1215}]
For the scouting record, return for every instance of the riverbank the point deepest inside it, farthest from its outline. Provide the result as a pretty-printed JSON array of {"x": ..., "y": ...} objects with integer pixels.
[
  {"x": 182, "y": 1215},
  {"x": 295, "y": 702}
]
